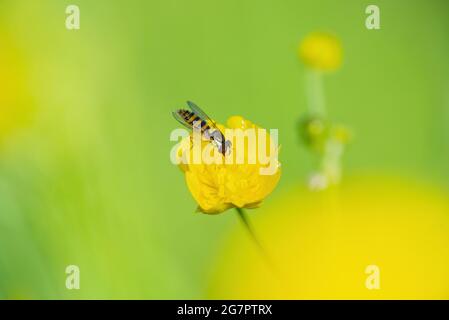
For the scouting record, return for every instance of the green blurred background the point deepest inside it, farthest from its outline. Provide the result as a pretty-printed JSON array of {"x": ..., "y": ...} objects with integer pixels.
[{"x": 85, "y": 176}]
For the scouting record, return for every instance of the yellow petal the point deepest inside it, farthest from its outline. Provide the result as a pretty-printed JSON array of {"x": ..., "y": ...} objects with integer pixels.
[{"x": 219, "y": 187}]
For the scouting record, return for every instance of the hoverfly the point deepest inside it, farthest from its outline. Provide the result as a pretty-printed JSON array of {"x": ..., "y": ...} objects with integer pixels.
[{"x": 199, "y": 119}]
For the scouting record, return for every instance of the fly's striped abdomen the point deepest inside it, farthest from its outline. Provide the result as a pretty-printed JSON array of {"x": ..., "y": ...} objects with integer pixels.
[
  {"x": 185, "y": 114},
  {"x": 190, "y": 118}
]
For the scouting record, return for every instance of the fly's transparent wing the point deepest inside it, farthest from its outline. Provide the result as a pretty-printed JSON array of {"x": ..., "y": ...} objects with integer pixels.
[
  {"x": 198, "y": 111},
  {"x": 217, "y": 136},
  {"x": 181, "y": 120}
]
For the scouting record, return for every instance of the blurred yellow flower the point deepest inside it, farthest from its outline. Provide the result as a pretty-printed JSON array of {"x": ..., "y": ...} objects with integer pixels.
[
  {"x": 15, "y": 110},
  {"x": 321, "y": 51},
  {"x": 325, "y": 245},
  {"x": 219, "y": 187}
]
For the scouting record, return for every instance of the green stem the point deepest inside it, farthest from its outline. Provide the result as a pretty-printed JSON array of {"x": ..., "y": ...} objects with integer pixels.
[
  {"x": 248, "y": 226},
  {"x": 251, "y": 232},
  {"x": 315, "y": 93}
]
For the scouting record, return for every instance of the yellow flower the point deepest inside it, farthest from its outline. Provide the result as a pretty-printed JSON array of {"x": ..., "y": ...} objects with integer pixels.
[
  {"x": 15, "y": 100},
  {"x": 217, "y": 187},
  {"x": 321, "y": 51},
  {"x": 324, "y": 245}
]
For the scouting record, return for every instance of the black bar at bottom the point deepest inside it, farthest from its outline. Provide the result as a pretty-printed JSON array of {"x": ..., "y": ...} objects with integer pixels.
[{"x": 232, "y": 309}]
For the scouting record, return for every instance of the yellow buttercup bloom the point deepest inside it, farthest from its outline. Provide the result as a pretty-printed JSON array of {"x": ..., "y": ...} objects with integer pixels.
[
  {"x": 217, "y": 187},
  {"x": 321, "y": 51},
  {"x": 327, "y": 244}
]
